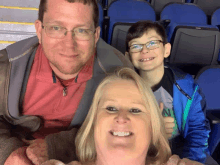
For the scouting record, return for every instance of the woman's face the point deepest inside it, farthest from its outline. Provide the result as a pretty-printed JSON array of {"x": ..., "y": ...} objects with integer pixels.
[{"x": 123, "y": 124}]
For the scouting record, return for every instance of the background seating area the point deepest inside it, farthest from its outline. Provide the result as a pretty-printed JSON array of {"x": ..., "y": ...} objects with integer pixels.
[{"x": 192, "y": 28}]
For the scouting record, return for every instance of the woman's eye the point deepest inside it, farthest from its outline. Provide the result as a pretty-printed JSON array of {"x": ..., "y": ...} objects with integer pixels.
[
  {"x": 111, "y": 109},
  {"x": 135, "y": 110}
]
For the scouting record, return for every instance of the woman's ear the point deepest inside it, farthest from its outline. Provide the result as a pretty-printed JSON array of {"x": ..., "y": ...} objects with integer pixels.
[{"x": 167, "y": 50}]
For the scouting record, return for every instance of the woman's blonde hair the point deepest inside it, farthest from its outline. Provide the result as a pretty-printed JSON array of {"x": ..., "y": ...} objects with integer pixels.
[{"x": 159, "y": 150}]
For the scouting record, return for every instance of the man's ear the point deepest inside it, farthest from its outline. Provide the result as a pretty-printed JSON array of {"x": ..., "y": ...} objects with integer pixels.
[
  {"x": 127, "y": 55},
  {"x": 38, "y": 28},
  {"x": 167, "y": 50},
  {"x": 97, "y": 34}
]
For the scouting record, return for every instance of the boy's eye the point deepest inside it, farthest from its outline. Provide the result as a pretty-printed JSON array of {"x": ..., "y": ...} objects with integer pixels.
[
  {"x": 111, "y": 109},
  {"x": 152, "y": 43},
  {"x": 135, "y": 47},
  {"x": 135, "y": 110}
]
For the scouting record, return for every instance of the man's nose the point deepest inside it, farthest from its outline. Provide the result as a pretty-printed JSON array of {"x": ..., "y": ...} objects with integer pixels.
[{"x": 69, "y": 38}]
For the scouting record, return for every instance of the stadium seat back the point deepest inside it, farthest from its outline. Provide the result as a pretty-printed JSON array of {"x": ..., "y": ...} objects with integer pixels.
[
  {"x": 158, "y": 5},
  {"x": 121, "y": 12},
  {"x": 208, "y": 79},
  {"x": 194, "y": 47},
  {"x": 183, "y": 13},
  {"x": 119, "y": 36},
  {"x": 208, "y": 6},
  {"x": 215, "y": 19}
]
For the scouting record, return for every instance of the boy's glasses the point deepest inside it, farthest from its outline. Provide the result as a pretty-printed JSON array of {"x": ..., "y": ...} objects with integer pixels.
[
  {"x": 59, "y": 32},
  {"x": 149, "y": 45}
]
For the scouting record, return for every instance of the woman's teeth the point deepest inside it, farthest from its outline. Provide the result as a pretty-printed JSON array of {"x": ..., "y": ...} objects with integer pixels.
[{"x": 121, "y": 133}]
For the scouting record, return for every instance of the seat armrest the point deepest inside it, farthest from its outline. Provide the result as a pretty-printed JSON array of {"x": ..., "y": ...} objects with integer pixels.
[
  {"x": 213, "y": 116},
  {"x": 105, "y": 28},
  {"x": 165, "y": 22}
]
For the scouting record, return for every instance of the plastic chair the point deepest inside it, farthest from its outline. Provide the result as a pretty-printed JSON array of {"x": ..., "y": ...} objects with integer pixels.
[
  {"x": 208, "y": 6},
  {"x": 122, "y": 14},
  {"x": 195, "y": 44},
  {"x": 158, "y": 5},
  {"x": 215, "y": 19},
  {"x": 208, "y": 79}
]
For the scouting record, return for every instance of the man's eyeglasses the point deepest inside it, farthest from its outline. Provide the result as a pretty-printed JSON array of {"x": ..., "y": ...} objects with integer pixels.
[
  {"x": 59, "y": 32},
  {"x": 149, "y": 45}
]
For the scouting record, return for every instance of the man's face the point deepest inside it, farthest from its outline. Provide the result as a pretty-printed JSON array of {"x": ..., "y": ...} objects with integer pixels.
[{"x": 67, "y": 55}]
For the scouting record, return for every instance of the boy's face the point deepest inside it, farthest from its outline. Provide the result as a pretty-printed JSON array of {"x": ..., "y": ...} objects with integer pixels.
[{"x": 149, "y": 59}]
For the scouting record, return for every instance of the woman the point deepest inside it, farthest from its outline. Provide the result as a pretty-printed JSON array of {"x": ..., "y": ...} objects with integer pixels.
[{"x": 124, "y": 124}]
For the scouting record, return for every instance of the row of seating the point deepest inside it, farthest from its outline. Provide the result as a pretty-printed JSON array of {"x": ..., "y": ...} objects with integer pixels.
[
  {"x": 208, "y": 6},
  {"x": 194, "y": 43}
]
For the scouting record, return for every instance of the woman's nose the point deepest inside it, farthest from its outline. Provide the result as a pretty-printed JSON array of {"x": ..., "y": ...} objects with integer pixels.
[{"x": 122, "y": 117}]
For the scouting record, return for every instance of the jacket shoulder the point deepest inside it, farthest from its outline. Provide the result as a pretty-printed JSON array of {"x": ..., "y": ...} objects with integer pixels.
[
  {"x": 3, "y": 56},
  {"x": 110, "y": 56}
]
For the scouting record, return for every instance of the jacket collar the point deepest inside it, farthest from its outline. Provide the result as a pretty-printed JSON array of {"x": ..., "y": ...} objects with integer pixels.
[{"x": 178, "y": 76}]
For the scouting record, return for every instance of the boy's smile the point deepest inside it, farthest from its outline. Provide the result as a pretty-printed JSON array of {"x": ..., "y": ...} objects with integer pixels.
[{"x": 148, "y": 60}]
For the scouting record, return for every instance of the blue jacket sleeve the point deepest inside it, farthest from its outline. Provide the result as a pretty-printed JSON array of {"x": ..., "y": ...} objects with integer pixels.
[{"x": 196, "y": 132}]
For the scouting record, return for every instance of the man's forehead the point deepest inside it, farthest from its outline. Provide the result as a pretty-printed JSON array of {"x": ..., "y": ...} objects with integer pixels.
[{"x": 62, "y": 12}]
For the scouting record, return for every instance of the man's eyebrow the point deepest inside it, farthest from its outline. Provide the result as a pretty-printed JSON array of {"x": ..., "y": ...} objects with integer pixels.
[{"x": 61, "y": 23}]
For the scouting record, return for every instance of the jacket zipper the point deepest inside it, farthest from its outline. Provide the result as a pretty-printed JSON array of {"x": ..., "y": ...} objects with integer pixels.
[
  {"x": 64, "y": 91},
  {"x": 177, "y": 85}
]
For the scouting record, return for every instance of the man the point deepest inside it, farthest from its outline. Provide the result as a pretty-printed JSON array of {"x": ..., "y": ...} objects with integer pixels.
[{"x": 47, "y": 82}]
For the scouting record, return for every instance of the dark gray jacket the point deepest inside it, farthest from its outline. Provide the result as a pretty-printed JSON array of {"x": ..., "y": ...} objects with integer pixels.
[{"x": 15, "y": 66}]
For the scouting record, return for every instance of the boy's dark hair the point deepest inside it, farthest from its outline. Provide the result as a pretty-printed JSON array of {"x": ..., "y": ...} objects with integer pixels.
[
  {"x": 43, "y": 9},
  {"x": 139, "y": 28}
]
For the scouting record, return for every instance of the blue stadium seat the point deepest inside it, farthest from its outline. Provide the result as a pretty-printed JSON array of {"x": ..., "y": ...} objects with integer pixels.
[
  {"x": 186, "y": 14},
  {"x": 208, "y": 6},
  {"x": 195, "y": 44},
  {"x": 122, "y": 14},
  {"x": 208, "y": 79},
  {"x": 215, "y": 20},
  {"x": 189, "y": 1},
  {"x": 158, "y": 5}
]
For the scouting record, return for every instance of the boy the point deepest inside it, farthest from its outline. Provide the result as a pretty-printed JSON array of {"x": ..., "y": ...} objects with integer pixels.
[{"x": 179, "y": 96}]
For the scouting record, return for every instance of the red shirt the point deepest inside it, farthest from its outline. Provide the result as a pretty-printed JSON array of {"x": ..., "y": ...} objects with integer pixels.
[{"x": 45, "y": 98}]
